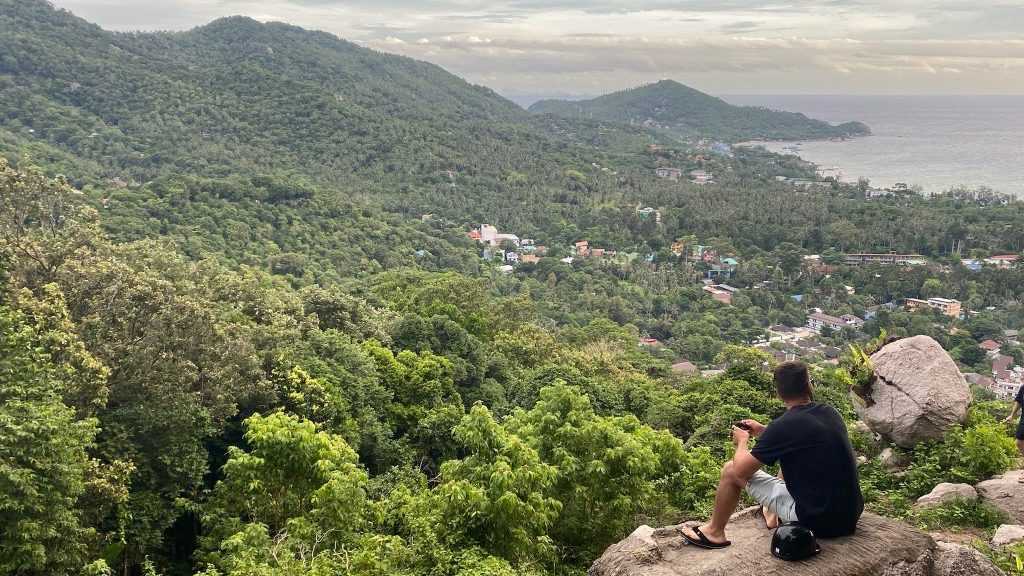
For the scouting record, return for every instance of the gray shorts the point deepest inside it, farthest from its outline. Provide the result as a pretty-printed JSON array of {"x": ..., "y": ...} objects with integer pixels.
[{"x": 771, "y": 492}]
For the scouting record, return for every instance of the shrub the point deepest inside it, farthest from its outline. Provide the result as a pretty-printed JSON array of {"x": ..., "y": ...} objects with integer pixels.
[{"x": 959, "y": 514}]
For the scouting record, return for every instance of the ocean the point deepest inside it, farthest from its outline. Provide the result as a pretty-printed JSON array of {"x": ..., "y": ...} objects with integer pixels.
[{"x": 937, "y": 142}]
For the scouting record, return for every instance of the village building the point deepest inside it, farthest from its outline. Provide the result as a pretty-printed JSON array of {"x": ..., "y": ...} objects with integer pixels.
[
  {"x": 889, "y": 258},
  {"x": 685, "y": 367},
  {"x": 529, "y": 259},
  {"x": 1003, "y": 261},
  {"x": 947, "y": 306},
  {"x": 992, "y": 347},
  {"x": 488, "y": 234},
  {"x": 700, "y": 176},
  {"x": 818, "y": 321},
  {"x": 503, "y": 238},
  {"x": 669, "y": 173}
]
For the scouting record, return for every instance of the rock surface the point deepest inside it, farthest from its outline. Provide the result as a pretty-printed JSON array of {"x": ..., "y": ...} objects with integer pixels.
[
  {"x": 891, "y": 459},
  {"x": 1006, "y": 494},
  {"x": 919, "y": 392},
  {"x": 946, "y": 492},
  {"x": 881, "y": 547},
  {"x": 1008, "y": 534},
  {"x": 960, "y": 560}
]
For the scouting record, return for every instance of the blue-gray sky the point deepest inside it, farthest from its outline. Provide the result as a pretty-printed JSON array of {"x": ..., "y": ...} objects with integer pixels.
[{"x": 596, "y": 46}]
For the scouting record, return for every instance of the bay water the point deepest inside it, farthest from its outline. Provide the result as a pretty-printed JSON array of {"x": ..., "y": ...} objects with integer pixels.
[{"x": 937, "y": 142}]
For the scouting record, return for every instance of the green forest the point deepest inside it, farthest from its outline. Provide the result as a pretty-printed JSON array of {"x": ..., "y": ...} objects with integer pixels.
[{"x": 243, "y": 330}]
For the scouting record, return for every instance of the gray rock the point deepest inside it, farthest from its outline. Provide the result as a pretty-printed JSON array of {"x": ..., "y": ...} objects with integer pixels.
[
  {"x": 892, "y": 459},
  {"x": 946, "y": 492},
  {"x": 881, "y": 547},
  {"x": 1006, "y": 494},
  {"x": 959, "y": 560},
  {"x": 919, "y": 392},
  {"x": 1008, "y": 534}
]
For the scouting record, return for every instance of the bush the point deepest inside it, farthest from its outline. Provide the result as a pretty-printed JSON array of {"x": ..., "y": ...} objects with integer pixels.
[{"x": 959, "y": 514}]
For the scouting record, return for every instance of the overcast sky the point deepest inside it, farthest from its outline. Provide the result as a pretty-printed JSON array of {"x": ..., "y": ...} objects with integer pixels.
[{"x": 596, "y": 46}]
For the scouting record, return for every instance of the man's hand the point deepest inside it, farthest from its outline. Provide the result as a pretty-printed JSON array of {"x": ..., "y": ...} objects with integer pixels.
[
  {"x": 1008, "y": 420},
  {"x": 755, "y": 427},
  {"x": 739, "y": 436}
]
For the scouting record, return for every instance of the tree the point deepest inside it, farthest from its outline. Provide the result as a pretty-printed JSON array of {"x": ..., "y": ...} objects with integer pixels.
[
  {"x": 43, "y": 451},
  {"x": 294, "y": 483},
  {"x": 612, "y": 468},
  {"x": 497, "y": 496},
  {"x": 932, "y": 287}
]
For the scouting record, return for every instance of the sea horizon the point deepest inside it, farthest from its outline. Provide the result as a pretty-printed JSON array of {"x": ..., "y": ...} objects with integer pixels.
[{"x": 935, "y": 141}]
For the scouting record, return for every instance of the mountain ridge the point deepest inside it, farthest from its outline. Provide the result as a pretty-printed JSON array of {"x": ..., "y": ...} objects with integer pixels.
[{"x": 687, "y": 113}]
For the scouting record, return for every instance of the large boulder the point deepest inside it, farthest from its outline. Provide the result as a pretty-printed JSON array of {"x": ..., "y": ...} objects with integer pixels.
[
  {"x": 959, "y": 560},
  {"x": 918, "y": 393},
  {"x": 1008, "y": 534},
  {"x": 1005, "y": 493},
  {"x": 881, "y": 547},
  {"x": 947, "y": 492}
]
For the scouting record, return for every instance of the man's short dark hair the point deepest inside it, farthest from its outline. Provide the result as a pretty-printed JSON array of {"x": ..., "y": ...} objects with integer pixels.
[{"x": 792, "y": 381}]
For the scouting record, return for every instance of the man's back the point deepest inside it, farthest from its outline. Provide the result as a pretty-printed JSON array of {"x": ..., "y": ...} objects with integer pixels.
[{"x": 819, "y": 467}]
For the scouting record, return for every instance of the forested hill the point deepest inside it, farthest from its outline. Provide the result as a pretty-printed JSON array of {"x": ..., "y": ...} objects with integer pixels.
[
  {"x": 233, "y": 93},
  {"x": 688, "y": 113},
  {"x": 240, "y": 125}
]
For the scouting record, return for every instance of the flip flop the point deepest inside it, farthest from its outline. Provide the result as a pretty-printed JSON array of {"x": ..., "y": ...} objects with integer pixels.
[{"x": 702, "y": 541}]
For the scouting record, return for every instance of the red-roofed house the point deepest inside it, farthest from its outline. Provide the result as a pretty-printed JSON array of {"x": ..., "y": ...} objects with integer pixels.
[
  {"x": 991, "y": 346},
  {"x": 474, "y": 235},
  {"x": 1002, "y": 261}
]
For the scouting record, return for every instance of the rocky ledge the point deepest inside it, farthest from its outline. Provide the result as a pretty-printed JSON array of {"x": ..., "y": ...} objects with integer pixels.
[{"x": 881, "y": 547}]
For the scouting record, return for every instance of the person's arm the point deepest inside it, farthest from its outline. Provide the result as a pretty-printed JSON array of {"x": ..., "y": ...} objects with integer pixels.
[
  {"x": 743, "y": 462},
  {"x": 1013, "y": 413}
]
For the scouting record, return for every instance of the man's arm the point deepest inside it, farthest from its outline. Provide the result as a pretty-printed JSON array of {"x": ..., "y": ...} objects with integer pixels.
[
  {"x": 1013, "y": 412},
  {"x": 743, "y": 462}
]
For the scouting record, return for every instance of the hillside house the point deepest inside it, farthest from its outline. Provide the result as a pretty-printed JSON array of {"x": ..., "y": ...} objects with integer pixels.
[
  {"x": 512, "y": 257},
  {"x": 488, "y": 234},
  {"x": 582, "y": 248},
  {"x": 782, "y": 333},
  {"x": 723, "y": 296},
  {"x": 851, "y": 320},
  {"x": 1011, "y": 335},
  {"x": 684, "y": 367},
  {"x": 503, "y": 238},
  {"x": 991, "y": 346},
  {"x": 889, "y": 258},
  {"x": 669, "y": 173},
  {"x": 529, "y": 259},
  {"x": 947, "y": 306},
  {"x": 818, "y": 321},
  {"x": 1003, "y": 261},
  {"x": 700, "y": 176}
]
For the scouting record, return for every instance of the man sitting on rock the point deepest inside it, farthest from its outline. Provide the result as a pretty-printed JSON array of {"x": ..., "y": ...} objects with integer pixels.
[{"x": 821, "y": 490}]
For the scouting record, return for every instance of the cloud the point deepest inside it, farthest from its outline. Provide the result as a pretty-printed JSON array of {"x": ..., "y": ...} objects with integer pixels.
[{"x": 592, "y": 46}]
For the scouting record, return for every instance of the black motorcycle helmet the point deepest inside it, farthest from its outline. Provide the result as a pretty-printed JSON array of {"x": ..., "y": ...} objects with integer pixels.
[{"x": 792, "y": 541}]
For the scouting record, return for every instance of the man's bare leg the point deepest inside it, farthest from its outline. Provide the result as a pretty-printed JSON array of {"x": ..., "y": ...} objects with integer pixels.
[
  {"x": 730, "y": 488},
  {"x": 771, "y": 519}
]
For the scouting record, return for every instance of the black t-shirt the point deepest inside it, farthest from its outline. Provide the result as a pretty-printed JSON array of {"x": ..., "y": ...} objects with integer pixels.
[
  {"x": 1019, "y": 399},
  {"x": 818, "y": 465}
]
